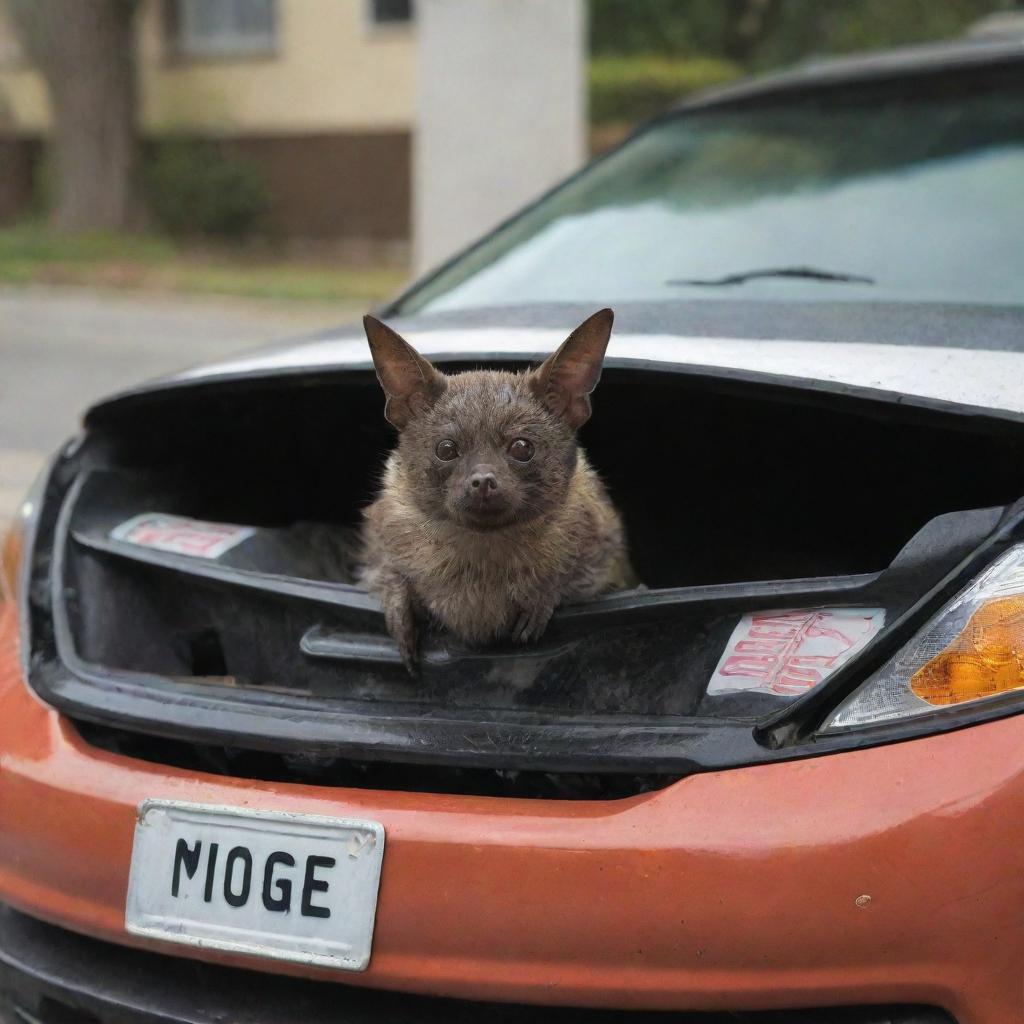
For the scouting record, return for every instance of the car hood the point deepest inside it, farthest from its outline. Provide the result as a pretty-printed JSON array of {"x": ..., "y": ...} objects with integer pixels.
[
  {"x": 964, "y": 376},
  {"x": 924, "y": 353}
]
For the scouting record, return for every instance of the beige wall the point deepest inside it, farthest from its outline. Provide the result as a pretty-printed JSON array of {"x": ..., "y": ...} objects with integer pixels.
[
  {"x": 23, "y": 106},
  {"x": 334, "y": 71}
]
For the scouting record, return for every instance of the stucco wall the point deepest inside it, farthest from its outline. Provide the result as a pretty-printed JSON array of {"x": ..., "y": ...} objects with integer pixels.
[{"x": 333, "y": 71}]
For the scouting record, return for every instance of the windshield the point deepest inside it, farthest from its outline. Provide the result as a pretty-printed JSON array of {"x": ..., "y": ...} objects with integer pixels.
[{"x": 909, "y": 192}]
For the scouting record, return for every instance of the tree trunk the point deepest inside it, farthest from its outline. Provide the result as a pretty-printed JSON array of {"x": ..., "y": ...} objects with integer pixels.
[{"x": 85, "y": 51}]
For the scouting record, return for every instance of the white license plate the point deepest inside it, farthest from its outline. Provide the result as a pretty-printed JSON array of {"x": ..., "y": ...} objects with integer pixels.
[{"x": 299, "y": 887}]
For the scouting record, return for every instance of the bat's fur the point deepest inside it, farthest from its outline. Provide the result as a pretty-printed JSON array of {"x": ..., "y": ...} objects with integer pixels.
[{"x": 548, "y": 534}]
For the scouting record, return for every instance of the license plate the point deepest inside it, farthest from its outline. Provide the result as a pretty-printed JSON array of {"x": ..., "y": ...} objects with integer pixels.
[{"x": 298, "y": 887}]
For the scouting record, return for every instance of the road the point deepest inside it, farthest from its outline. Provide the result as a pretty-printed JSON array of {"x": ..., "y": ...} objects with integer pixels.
[{"x": 61, "y": 349}]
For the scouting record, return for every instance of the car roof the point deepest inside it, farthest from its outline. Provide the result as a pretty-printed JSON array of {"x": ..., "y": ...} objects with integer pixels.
[{"x": 930, "y": 58}]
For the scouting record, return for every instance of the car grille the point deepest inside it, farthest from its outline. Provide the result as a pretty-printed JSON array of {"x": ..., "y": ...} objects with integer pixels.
[{"x": 314, "y": 769}]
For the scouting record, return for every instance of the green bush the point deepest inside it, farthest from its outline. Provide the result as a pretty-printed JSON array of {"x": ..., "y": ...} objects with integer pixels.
[
  {"x": 44, "y": 183},
  {"x": 632, "y": 88},
  {"x": 195, "y": 188}
]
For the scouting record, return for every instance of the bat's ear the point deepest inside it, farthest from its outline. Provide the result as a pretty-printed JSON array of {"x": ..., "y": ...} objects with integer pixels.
[
  {"x": 565, "y": 380},
  {"x": 411, "y": 383}
]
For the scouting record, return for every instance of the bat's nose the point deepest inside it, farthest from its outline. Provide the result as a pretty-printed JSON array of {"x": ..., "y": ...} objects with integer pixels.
[{"x": 483, "y": 483}]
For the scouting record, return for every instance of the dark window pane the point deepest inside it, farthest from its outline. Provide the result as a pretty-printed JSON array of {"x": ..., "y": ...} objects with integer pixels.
[{"x": 389, "y": 11}]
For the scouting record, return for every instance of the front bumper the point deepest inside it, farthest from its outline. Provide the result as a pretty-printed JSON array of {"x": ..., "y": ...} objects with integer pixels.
[
  {"x": 731, "y": 891},
  {"x": 56, "y": 977}
]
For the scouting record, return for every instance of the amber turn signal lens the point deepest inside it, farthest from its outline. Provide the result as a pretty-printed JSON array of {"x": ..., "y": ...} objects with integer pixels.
[
  {"x": 10, "y": 563},
  {"x": 985, "y": 659}
]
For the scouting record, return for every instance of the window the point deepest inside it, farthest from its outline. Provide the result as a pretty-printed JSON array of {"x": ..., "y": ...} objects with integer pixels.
[
  {"x": 913, "y": 183},
  {"x": 390, "y": 12},
  {"x": 224, "y": 28}
]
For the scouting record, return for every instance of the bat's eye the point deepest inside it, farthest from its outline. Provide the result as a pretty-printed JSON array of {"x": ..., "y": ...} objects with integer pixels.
[
  {"x": 447, "y": 450},
  {"x": 521, "y": 450}
]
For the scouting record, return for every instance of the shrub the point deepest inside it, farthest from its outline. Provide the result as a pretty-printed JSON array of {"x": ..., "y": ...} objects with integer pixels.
[
  {"x": 195, "y": 188},
  {"x": 636, "y": 87},
  {"x": 44, "y": 182}
]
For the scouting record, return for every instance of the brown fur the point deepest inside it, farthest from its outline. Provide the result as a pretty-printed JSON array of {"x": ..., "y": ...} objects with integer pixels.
[{"x": 550, "y": 534}]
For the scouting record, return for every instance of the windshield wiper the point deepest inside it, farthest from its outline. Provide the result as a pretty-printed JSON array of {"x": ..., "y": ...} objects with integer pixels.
[{"x": 804, "y": 273}]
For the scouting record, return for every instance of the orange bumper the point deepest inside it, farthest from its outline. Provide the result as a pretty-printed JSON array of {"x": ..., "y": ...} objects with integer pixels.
[{"x": 744, "y": 889}]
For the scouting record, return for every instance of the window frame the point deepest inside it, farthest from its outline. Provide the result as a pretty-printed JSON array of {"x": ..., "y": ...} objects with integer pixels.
[{"x": 186, "y": 47}]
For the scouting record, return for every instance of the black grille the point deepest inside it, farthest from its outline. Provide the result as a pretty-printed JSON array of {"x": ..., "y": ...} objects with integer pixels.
[{"x": 326, "y": 770}]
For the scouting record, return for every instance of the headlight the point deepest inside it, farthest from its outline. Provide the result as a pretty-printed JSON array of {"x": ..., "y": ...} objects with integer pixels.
[{"x": 973, "y": 649}]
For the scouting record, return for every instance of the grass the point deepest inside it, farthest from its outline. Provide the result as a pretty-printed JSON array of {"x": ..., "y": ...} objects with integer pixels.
[{"x": 29, "y": 254}]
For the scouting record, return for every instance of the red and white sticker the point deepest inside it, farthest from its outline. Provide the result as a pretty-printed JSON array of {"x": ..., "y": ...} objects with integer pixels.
[
  {"x": 789, "y": 653},
  {"x": 181, "y": 536}
]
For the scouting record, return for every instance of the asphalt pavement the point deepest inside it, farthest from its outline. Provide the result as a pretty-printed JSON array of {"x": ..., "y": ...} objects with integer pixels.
[{"x": 62, "y": 349}]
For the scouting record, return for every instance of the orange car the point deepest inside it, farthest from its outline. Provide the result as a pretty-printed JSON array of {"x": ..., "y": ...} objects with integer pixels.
[{"x": 781, "y": 783}]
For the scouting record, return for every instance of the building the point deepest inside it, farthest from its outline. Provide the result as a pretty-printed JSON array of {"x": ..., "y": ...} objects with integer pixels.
[{"x": 328, "y": 98}]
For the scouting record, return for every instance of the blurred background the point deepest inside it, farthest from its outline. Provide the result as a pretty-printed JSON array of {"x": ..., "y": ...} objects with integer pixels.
[{"x": 181, "y": 178}]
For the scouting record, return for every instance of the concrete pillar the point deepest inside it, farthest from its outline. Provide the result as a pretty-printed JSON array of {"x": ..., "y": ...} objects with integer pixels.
[{"x": 501, "y": 113}]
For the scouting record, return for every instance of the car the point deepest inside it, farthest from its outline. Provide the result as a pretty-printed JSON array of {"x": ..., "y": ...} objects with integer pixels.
[{"x": 782, "y": 782}]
